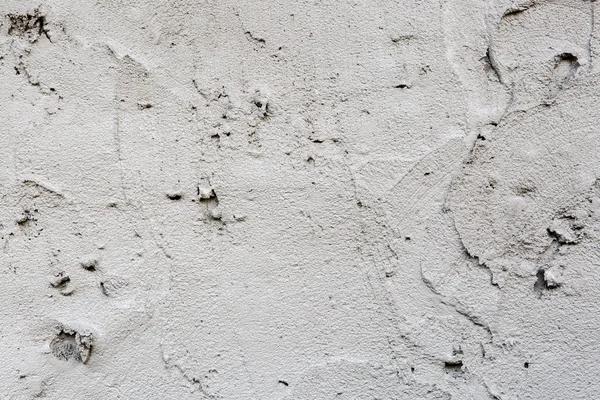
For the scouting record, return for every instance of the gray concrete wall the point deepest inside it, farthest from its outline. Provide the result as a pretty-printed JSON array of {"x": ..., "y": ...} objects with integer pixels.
[{"x": 315, "y": 199}]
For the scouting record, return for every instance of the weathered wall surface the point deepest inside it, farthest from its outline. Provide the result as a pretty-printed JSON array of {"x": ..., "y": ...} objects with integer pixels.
[{"x": 299, "y": 199}]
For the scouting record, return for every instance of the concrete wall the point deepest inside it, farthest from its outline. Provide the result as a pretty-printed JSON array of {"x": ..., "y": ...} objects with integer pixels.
[{"x": 352, "y": 199}]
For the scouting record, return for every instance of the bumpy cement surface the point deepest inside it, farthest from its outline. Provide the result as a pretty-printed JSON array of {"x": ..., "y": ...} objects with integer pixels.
[{"x": 299, "y": 200}]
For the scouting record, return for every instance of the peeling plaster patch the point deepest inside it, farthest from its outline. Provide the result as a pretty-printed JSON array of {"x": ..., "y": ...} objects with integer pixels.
[
  {"x": 89, "y": 263},
  {"x": 30, "y": 26},
  {"x": 72, "y": 345}
]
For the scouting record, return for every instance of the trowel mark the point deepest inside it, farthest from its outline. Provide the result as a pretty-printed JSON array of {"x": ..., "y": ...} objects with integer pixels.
[
  {"x": 37, "y": 181},
  {"x": 517, "y": 9}
]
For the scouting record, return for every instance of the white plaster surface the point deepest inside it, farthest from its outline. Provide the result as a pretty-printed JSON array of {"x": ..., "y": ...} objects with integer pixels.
[{"x": 353, "y": 199}]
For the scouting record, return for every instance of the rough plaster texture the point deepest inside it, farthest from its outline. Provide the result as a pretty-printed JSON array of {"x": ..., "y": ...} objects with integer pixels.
[{"x": 315, "y": 199}]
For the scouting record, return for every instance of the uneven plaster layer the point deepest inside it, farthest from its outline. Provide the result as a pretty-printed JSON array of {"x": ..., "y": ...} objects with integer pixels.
[{"x": 299, "y": 200}]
